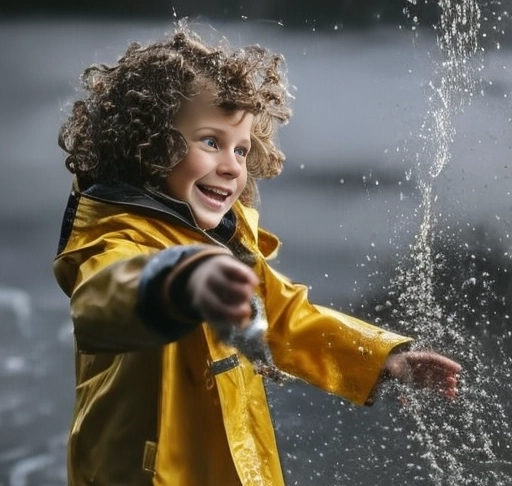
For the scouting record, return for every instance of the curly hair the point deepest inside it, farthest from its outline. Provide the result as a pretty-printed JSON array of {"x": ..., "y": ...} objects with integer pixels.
[{"x": 123, "y": 128}]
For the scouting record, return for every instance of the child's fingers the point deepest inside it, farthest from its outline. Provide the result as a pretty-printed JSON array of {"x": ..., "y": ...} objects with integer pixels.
[
  {"x": 437, "y": 372},
  {"x": 232, "y": 293},
  {"x": 426, "y": 369},
  {"x": 234, "y": 283},
  {"x": 241, "y": 273},
  {"x": 221, "y": 314},
  {"x": 232, "y": 272}
]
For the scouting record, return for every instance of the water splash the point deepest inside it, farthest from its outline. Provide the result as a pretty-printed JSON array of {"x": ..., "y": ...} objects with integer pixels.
[
  {"x": 461, "y": 444},
  {"x": 456, "y": 79}
]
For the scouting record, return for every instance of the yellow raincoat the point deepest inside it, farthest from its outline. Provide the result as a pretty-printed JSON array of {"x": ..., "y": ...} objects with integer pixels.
[{"x": 159, "y": 401}]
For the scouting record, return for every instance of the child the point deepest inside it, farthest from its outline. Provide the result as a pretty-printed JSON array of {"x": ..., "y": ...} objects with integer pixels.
[{"x": 162, "y": 257}]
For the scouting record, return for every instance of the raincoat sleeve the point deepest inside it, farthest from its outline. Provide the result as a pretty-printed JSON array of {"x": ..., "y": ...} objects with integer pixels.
[
  {"x": 117, "y": 304},
  {"x": 333, "y": 351}
]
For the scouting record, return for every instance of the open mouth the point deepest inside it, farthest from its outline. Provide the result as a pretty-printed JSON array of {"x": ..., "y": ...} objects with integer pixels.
[{"x": 215, "y": 193}]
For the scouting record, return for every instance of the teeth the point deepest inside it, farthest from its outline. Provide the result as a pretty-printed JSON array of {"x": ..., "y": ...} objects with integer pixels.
[{"x": 217, "y": 191}]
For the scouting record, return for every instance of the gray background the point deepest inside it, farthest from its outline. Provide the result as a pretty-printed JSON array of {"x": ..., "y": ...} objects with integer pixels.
[{"x": 345, "y": 208}]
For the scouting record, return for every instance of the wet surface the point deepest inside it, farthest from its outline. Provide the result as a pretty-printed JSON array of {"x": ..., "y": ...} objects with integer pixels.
[{"x": 344, "y": 208}]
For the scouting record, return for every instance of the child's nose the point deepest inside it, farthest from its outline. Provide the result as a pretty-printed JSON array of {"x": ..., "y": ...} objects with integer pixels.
[{"x": 229, "y": 166}]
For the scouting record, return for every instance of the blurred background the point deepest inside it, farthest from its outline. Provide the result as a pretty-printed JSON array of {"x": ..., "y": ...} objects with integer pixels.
[
  {"x": 348, "y": 209},
  {"x": 324, "y": 13}
]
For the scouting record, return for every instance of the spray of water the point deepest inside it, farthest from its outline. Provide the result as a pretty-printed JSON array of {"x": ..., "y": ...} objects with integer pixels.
[{"x": 467, "y": 442}]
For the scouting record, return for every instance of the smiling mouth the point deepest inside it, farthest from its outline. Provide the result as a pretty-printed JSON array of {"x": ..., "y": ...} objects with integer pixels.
[{"x": 214, "y": 193}]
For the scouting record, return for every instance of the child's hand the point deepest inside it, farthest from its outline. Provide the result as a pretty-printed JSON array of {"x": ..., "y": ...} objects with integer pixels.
[
  {"x": 221, "y": 288},
  {"x": 425, "y": 369}
]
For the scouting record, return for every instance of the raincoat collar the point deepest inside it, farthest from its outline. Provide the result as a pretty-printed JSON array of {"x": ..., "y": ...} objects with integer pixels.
[
  {"x": 150, "y": 201},
  {"x": 240, "y": 220}
]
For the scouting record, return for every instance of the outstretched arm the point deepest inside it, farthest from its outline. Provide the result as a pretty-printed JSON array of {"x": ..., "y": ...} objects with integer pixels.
[{"x": 425, "y": 369}]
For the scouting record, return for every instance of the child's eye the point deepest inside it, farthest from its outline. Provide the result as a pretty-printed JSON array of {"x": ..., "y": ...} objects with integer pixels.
[
  {"x": 241, "y": 151},
  {"x": 210, "y": 141}
]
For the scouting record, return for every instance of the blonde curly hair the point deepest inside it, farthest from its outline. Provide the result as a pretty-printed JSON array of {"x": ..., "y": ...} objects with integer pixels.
[{"x": 122, "y": 130}]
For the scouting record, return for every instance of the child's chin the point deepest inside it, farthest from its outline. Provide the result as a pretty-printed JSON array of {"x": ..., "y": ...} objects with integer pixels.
[{"x": 208, "y": 223}]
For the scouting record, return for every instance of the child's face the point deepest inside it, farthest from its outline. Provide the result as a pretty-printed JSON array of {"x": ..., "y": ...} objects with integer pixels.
[{"x": 213, "y": 174}]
